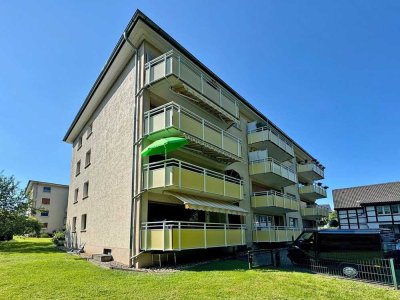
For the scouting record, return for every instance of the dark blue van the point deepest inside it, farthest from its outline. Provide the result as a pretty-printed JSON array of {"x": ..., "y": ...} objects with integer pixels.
[{"x": 344, "y": 246}]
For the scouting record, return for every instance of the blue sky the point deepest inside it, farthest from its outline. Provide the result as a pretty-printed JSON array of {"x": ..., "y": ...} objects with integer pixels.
[{"x": 327, "y": 72}]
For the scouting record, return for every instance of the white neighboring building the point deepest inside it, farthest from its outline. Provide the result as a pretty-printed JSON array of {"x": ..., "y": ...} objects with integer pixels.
[
  {"x": 52, "y": 200},
  {"x": 370, "y": 206}
]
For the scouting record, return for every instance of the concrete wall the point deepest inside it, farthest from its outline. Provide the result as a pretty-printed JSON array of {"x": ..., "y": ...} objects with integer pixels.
[{"x": 108, "y": 205}]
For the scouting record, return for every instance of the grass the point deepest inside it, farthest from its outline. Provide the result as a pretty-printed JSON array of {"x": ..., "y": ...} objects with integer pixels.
[{"x": 34, "y": 269}]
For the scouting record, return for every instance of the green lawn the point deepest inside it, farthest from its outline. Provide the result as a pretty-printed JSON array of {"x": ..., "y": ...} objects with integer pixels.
[{"x": 33, "y": 268}]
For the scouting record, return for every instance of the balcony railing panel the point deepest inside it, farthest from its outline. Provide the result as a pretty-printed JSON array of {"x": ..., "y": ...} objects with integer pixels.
[
  {"x": 274, "y": 199},
  {"x": 310, "y": 171},
  {"x": 284, "y": 175},
  {"x": 275, "y": 234},
  {"x": 314, "y": 212},
  {"x": 179, "y": 235},
  {"x": 172, "y": 63},
  {"x": 268, "y": 134},
  {"x": 312, "y": 192},
  {"x": 185, "y": 176},
  {"x": 175, "y": 116}
]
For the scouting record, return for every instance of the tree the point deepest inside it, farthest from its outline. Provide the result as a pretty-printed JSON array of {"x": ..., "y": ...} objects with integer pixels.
[
  {"x": 14, "y": 206},
  {"x": 31, "y": 226},
  {"x": 331, "y": 220}
]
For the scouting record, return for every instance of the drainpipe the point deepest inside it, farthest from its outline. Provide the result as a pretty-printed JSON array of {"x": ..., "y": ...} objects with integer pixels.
[{"x": 132, "y": 242}]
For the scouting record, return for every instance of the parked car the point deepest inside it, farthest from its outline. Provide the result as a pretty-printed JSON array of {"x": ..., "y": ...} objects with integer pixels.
[{"x": 344, "y": 249}]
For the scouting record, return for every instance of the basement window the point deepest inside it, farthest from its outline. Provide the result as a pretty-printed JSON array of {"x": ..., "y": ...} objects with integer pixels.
[{"x": 107, "y": 251}]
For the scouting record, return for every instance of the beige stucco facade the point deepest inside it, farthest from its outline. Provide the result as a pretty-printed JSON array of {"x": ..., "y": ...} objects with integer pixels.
[
  {"x": 198, "y": 197},
  {"x": 50, "y": 201}
]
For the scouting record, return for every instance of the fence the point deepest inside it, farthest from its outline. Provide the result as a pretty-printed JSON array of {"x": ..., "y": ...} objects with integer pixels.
[{"x": 375, "y": 270}]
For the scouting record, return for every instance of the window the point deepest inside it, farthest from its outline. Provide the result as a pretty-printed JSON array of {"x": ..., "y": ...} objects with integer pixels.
[
  {"x": 44, "y": 213},
  {"x": 87, "y": 159},
  {"x": 383, "y": 210},
  {"x": 263, "y": 221},
  {"x": 46, "y": 201},
  {"x": 86, "y": 189},
  {"x": 83, "y": 222},
  {"x": 45, "y": 225},
  {"x": 79, "y": 142},
  {"x": 293, "y": 222},
  {"x": 76, "y": 195},
  {"x": 78, "y": 168},
  {"x": 74, "y": 224},
  {"x": 348, "y": 242},
  {"x": 395, "y": 209},
  {"x": 46, "y": 189},
  {"x": 89, "y": 131}
]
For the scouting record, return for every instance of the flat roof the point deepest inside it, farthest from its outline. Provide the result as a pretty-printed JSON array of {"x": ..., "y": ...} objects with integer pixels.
[{"x": 32, "y": 182}]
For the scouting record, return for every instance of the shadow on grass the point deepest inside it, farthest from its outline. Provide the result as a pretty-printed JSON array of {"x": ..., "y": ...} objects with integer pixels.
[
  {"x": 241, "y": 266},
  {"x": 30, "y": 246}
]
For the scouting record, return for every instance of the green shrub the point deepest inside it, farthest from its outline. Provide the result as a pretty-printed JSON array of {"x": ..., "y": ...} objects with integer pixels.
[
  {"x": 58, "y": 238},
  {"x": 44, "y": 235}
]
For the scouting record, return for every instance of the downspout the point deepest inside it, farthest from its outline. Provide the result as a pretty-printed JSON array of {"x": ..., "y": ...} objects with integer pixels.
[{"x": 132, "y": 230}]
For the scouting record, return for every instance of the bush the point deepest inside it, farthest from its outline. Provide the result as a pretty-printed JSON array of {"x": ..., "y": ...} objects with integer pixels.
[
  {"x": 44, "y": 235},
  {"x": 58, "y": 238}
]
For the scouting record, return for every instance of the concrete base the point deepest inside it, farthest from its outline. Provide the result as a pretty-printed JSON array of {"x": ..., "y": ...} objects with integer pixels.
[{"x": 102, "y": 257}]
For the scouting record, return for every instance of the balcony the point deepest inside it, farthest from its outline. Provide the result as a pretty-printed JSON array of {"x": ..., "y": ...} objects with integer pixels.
[
  {"x": 312, "y": 192},
  {"x": 272, "y": 173},
  {"x": 267, "y": 138},
  {"x": 176, "y": 175},
  {"x": 274, "y": 202},
  {"x": 174, "y": 120},
  {"x": 185, "y": 78},
  {"x": 310, "y": 172},
  {"x": 177, "y": 236},
  {"x": 275, "y": 234},
  {"x": 314, "y": 212}
]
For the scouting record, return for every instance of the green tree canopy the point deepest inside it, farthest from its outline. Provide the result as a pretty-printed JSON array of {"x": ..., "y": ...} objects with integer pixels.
[{"x": 14, "y": 206}]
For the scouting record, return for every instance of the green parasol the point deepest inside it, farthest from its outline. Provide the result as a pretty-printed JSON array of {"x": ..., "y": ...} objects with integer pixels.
[{"x": 162, "y": 146}]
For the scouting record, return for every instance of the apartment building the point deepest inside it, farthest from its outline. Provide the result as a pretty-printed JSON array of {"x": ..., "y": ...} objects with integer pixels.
[
  {"x": 369, "y": 206},
  {"x": 238, "y": 182},
  {"x": 50, "y": 201}
]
